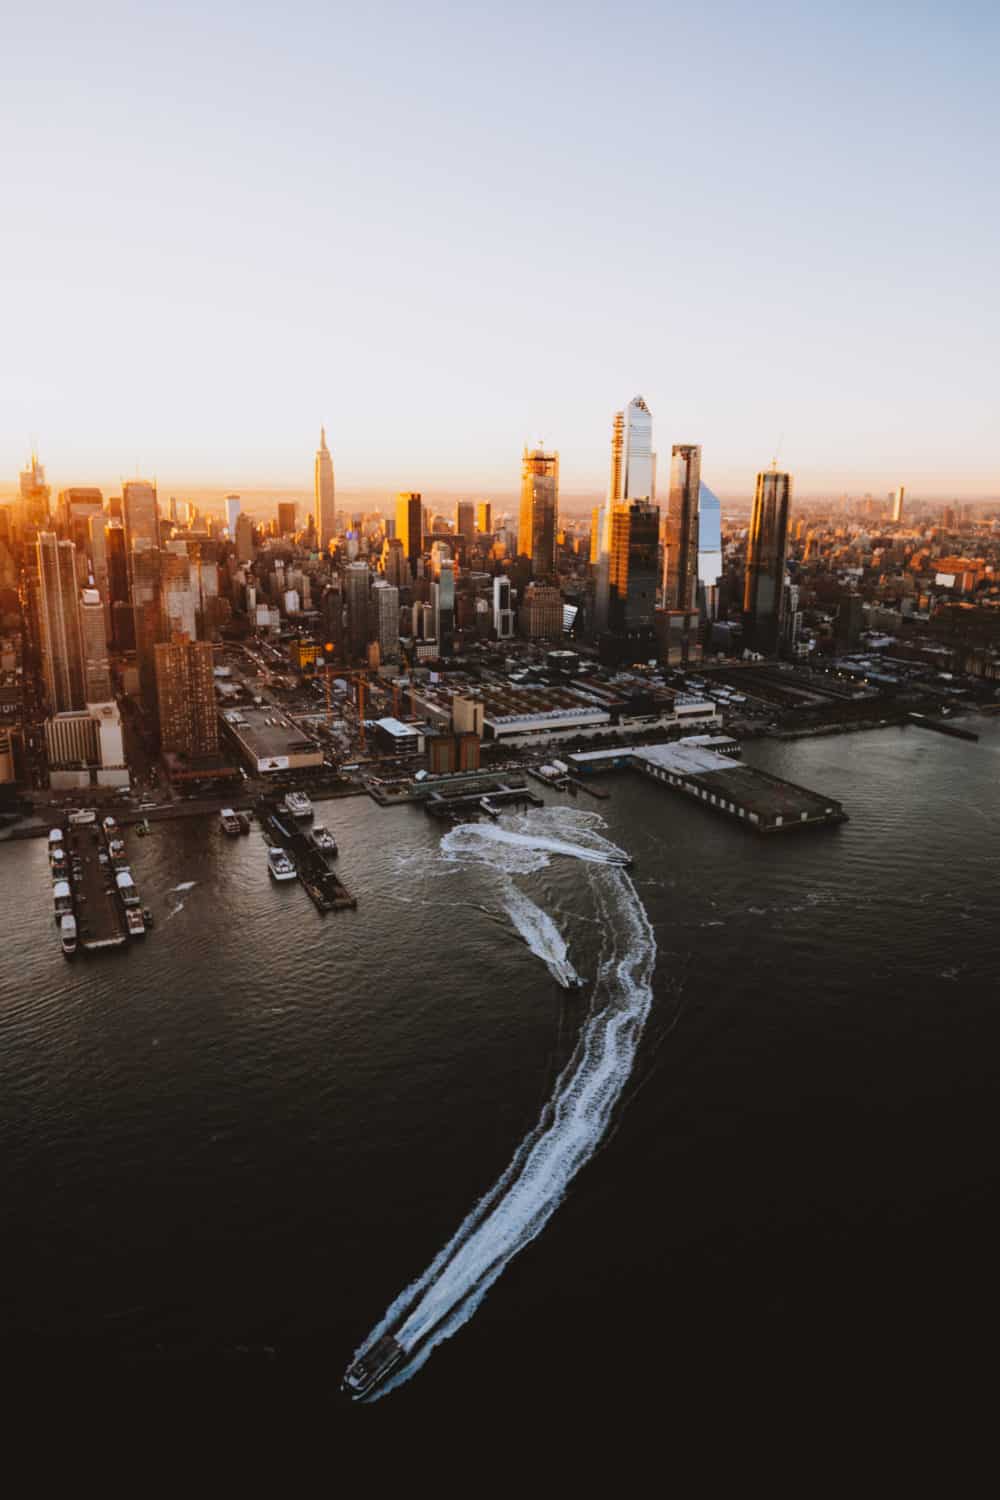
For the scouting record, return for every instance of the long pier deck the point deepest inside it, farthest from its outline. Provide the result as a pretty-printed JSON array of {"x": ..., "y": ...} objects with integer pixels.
[{"x": 99, "y": 919}]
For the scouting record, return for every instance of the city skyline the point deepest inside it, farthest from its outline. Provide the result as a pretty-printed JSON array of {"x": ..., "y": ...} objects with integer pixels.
[{"x": 804, "y": 305}]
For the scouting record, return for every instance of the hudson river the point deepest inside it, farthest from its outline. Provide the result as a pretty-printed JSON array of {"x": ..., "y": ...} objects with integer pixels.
[{"x": 767, "y": 1122}]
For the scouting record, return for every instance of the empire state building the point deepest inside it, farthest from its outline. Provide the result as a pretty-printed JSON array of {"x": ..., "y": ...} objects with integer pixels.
[{"x": 325, "y": 495}]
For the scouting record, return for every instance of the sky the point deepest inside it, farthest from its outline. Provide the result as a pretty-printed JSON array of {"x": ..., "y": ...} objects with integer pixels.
[{"x": 445, "y": 230}]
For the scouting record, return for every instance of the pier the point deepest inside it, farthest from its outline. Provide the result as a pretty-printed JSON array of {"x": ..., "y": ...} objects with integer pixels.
[
  {"x": 323, "y": 886},
  {"x": 99, "y": 919},
  {"x": 707, "y": 769},
  {"x": 490, "y": 799}
]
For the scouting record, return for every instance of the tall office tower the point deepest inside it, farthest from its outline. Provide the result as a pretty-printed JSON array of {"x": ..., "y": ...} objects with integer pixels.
[
  {"x": 385, "y": 606},
  {"x": 765, "y": 569},
  {"x": 287, "y": 511},
  {"x": 465, "y": 521},
  {"x": 325, "y": 493},
  {"x": 97, "y": 557},
  {"x": 409, "y": 526},
  {"x": 484, "y": 518},
  {"x": 33, "y": 498},
  {"x": 443, "y": 599},
  {"x": 94, "y": 645},
  {"x": 59, "y": 623},
  {"x": 541, "y": 612},
  {"x": 395, "y": 568},
  {"x": 141, "y": 515},
  {"x": 680, "y": 552},
  {"x": 356, "y": 584},
  {"x": 185, "y": 694},
  {"x": 898, "y": 495},
  {"x": 536, "y": 531},
  {"x": 635, "y": 536},
  {"x": 503, "y": 613},
  {"x": 114, "y": 538},
  {"x": 633, "y": 477},
  {"x": 440, "y": 552},
  {"x": 244, "y": 538},
  {"x": 75, "y": 509},
  {"x": 178, "y": 595},
  {"x": 148, "y": 619},
  {"x": 709, "y": 551},
  {"x": 232, "y": 513}
]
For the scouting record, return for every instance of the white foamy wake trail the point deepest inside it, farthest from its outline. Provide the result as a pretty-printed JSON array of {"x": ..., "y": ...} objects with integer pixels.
[
  {"x": 576, "y": 1117},
  {"x": 541, "y": 935},
  {"x": 185, "y": 885}
]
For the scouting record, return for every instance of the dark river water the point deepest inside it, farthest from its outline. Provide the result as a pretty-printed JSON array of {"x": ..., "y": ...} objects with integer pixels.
[{"x": 229, "y": 1152}]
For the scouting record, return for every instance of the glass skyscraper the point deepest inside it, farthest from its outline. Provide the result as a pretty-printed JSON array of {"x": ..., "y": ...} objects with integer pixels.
[
  {"x": 765, "y": 568},
  {"x": 536, "y": 530}
]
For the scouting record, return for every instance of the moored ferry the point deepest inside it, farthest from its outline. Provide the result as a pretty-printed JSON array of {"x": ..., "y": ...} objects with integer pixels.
[{"x": 67, "y": 931}]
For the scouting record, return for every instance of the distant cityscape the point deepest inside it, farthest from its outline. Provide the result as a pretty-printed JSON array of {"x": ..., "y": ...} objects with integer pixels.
[{"x": 147, "y": 644}]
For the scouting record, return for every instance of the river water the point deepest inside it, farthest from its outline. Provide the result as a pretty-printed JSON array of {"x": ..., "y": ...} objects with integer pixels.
[{"x": 767, "y": 1118}]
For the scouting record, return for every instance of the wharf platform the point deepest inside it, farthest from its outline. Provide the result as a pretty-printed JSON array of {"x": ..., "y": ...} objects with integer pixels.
[
  {"x": 99, "y": 919},
  {"x": 721, "y": 782},
  {"x": 323, "y": 886},
  {"x": 490, "y": 800}
]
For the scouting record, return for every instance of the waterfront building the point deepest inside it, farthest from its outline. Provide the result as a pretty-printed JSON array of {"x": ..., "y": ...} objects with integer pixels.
[
  {"x": 409, "y": 526},
  {"x": 185, "y": 689},
  {"x": 765, "y": 565},
  {"x": 59, "y": 623},
  {"x": 326, "y": 519},
  {"x": 536, "y": 533}
]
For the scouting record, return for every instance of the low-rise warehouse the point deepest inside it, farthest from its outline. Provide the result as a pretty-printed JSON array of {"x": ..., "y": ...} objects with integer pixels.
[{"x": 268, "y": 740}]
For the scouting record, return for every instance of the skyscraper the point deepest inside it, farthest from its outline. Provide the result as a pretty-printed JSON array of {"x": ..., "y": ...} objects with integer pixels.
[
  {"x": 325, "y": 493},
  {"x": 709, "y": 550},
  {"x": 232, "y": 513},
  {"x": 59, "y": 623},
  {"x": 465, "y": 521},
  {"x": 147, "y": 616},
  {"x": 443, "y": 601},
  {"x": 94, "y": 648},
  {"x": 178, "y": 594},
  {"x": 536, "y": 532},
  {"x": 898, "y": 496},
  {"x": 680, "y": 552},
  {"x": 765, "y": 568},
  {"x": 141, "y": 515},
  {"x": 287, "y": 512},
  {"x": 385, "y": 605},
  {"x": 633, "y": 477},
  {"x": 33, "y": 498},
  {"x": 356, "y": 585},
  {"x": 76, "y": 508},
  {"x": 484, "y": 518},
  {"x": 409, "y": 526},
  {"x": 185, "y": 689},
  {"x": 635, "y": 535}
]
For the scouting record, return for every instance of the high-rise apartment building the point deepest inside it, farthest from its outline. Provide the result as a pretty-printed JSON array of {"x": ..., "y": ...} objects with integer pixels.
[
  {"x": 356, "y": 586},
  {"x": 409, "y": 526},
  {"x": 765, "y": 567},
  {"x": 680, "y": 551},
  {"x": 178, "y": 592},
  {"x": 325, "y": 494},
  {"x": 385, "y": 607},
  {"x": 541, "y": 613},
  {"x": 185, "y": 690},
  {"x": 59, "y": 623},
  {"x": 536, "y": 532}
]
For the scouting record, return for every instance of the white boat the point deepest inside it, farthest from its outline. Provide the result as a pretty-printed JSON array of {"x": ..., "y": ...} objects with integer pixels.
[
  {"x": 134, "y": 922},
  {"x": 280, "y": 865},
  {"x": 230, "y": 822},
  {"x": 62, "y": 899},
  {"x": 324, "y": 839},
  {"x": 298, "y": 804},
  {"x": 127, "y": 889},
  {"x": 67, "y": 929}
]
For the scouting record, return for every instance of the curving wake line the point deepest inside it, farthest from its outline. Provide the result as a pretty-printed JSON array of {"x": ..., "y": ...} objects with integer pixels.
[
  {"x": 541, "y": 935},
  {"x": 576, "y": 1117}
]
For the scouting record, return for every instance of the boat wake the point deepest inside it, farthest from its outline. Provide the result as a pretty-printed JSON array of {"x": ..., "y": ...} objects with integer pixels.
[
  {"x": 541, "y": 935},
  {"x": 575, "y": 1119}
]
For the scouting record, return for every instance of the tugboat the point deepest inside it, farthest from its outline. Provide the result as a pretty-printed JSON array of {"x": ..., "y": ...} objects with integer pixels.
[
  {"x": 371, "y": 1368},
  {"x": 280, "y": 865}
]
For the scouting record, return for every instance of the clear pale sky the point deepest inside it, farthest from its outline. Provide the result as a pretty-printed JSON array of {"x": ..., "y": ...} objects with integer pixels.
[{"x": 447, "y": 229}]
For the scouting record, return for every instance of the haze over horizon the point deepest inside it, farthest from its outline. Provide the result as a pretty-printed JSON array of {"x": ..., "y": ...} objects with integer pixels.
[{"x": 446, "y": 234}]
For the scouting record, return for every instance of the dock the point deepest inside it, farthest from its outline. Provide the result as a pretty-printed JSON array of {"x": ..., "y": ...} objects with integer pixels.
[
  {"x": 99, "y": 919},
  {"x": 708, "y": 769},
  {"x": 441, "y": 803},
  {"x": 323, "y": 886},
  {"x": 923, "y": 722}
]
